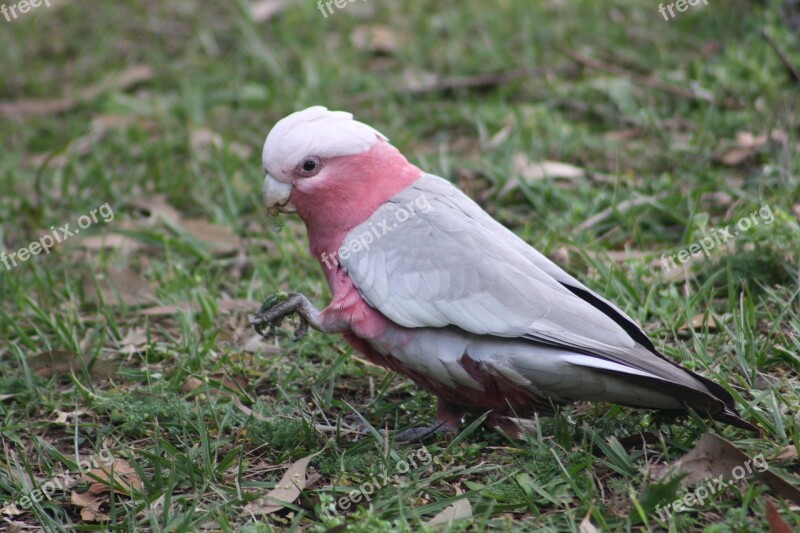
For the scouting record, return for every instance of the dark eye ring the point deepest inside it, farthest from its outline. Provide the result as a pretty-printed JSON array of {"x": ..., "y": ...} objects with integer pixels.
[{"x": 308, "y": 167}]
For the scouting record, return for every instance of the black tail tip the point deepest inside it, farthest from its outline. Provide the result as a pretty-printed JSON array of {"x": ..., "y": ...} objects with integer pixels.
[{"x": 730, "y": 416}]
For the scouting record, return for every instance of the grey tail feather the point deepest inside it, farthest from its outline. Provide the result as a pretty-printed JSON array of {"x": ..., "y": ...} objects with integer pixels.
[
  {"x": 717, "y": 404},
  {"x": 723, "y": 409}
]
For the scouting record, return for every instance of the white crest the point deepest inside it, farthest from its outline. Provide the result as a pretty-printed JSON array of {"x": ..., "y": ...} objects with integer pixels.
[{"x": 315, "y": 131}]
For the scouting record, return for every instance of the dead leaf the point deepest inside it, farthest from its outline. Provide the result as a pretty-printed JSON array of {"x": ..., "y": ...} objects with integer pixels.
[
  {"x": 378, "y": 39},
  {"x": 191, "y": 384},
  {"x": 4, "y": 397},
  {"x": 714, "y": 457},
  {"x": 161, "y": 310},
  {"x": 285, "y": 492},
  {"x": 62, "y": 362},
  {"x": 62, "y": 416},
  {"x": 203, "y": 139},
  {"x": 586, "y": 525},
  {"x": 532, "y": 171},
  {"x": 10, "y": 509},
  {"x": 699, "y": 323},
  {"x": 220, "y": 241},
  {"x": 90, "y": 506},
  {"x": 787, "y": 454},
  {"x": 156, "y": 206},
  {"x": 111, "y": 241},
  {"x": 619, "y": 208},
  {"x": 264, "y": 10},
  {"x": 746, "y": 145},
  {"x": 776, "y": 523},
  {"x": 125, "y": 479},
  {"x": 121, "y": 81},
  {"x": 257, "y": 344},
  {"x": 457, "y": 511},
  {"x": 134, "y": 342},
  {"x": 418, "y": 81},
  {"x": 118, "y": 287},
  {"x": 224, "y": 306}
]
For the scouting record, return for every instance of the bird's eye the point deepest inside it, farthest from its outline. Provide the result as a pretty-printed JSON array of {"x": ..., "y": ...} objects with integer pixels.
[{"x": 309, "y": 166}]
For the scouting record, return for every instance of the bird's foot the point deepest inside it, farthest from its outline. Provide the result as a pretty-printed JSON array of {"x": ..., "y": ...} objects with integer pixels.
[
  {"x": 448, "y": 420},
  {"x": 422, "y": 433},
  {"x": 280, "y": 305}
]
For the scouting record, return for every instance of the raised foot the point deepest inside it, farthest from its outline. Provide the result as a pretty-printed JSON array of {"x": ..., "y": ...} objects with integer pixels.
[{"x": 277, "y": 307}]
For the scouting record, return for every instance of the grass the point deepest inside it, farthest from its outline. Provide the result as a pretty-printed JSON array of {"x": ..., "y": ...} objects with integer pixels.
[{"x": 208, "y": 420}]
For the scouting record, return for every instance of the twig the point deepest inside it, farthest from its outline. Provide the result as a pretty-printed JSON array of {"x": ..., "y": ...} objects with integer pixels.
[
  {"x": 791, "y": 67},
  {"x": 646, "y": 81},
  {"x": 619, "y": 208}
]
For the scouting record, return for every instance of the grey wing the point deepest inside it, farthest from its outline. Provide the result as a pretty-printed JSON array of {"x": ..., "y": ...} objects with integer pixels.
[{"x": 444, "y": 261}]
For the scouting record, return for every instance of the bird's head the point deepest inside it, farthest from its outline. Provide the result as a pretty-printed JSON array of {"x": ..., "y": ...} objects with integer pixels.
[{"x": 330, "y": 168}]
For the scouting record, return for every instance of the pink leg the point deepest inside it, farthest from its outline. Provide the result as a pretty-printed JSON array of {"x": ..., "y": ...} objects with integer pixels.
[{"x": 448, "y": 419}]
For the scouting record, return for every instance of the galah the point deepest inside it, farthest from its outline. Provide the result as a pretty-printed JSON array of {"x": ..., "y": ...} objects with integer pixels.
[{"x": 427, "y": 284}]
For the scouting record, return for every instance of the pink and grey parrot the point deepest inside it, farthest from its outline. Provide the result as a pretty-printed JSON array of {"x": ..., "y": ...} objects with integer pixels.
[{"x": 427, "y": 284}]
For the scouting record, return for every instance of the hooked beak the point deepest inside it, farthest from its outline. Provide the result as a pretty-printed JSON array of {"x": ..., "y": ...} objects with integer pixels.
[{"x": 276, "y": 196}]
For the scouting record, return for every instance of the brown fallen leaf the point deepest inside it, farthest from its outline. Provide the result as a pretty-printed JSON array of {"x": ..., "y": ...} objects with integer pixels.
[
  {"x": 125, "y": 479},
  {"x": 747, "y": 145},
  {"x": 111, "y": 241},
  {"x": 530, "y": 171},
  {"x": 787, "y": 454},
  {"x": 714, "y": 457},
  {"x": 90, "y": 505},
  {"x": 62, "y": 362},
  {"x": 776, "y": 523},
  {"x": 263, "y": 10},
  {"x": 203, "y": 140},
  {"x": 285, "y": 492},
  {"x": 225, "y": 306},
  {"x": 378, "y": 39},
  {"x": 459, "y": 510},
  {"x": 699, "y": 322},
  {"x": 619, "y": 208},
  {"x": 586, "y": 525},
  {"x": 135, "y": 341},
  {"x": 420, "y": 82},
  {"x": 220, "y": 241},
  {"x": 63, "y": 416},
  {"x": 22, "y": 108},
  {"x": 258, "y": 344},
  {"x": 118, "y": 287},
  {"x": 156, "y": 207}
]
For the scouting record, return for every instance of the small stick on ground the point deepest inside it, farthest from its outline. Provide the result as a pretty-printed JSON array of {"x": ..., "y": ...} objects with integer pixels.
[
  {"x": 791, "y": 67},
  {"x": 620, "y": 207},
  {"x": 647, "y": 81}
]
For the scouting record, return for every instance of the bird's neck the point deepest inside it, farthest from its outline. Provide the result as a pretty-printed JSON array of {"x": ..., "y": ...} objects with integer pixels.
[{"x": 367, "y": 181}]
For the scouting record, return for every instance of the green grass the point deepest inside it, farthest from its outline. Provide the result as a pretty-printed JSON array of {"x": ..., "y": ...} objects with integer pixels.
[{"x": 165, "y": 402}]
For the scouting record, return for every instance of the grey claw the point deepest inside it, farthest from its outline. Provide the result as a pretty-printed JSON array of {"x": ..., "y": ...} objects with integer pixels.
[
  {"x": 302, "y": 329},
  {"x": 420, "y": 434}
]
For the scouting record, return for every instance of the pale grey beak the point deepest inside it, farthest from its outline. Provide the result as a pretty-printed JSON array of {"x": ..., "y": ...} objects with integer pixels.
[{"x": 276, "y": 196}]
